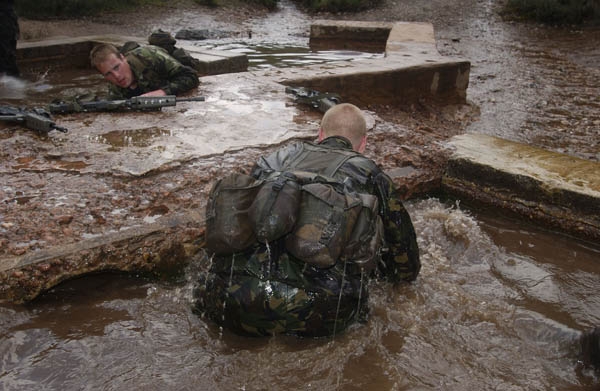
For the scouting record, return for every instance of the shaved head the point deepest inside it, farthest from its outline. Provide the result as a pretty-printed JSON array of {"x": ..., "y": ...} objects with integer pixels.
[{"x": 345, "y": 120}]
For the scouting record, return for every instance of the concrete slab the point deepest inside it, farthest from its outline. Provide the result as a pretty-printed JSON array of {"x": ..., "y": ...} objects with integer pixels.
[
  {"x": 65, "y": 52},
  {"x": 161, "y": 249},
  {"x": 548, "y": 188},
  {"x": 412, "y": 68}
]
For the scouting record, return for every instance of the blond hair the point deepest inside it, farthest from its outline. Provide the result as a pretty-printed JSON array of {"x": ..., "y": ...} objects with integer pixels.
[
  {"x": 345, "y": 120},
  {"x": 101, "y": 52}
]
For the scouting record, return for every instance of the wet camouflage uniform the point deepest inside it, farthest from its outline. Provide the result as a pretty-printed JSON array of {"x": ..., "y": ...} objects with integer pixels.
[
  {"x": 249, "y": 295},
  {"x": 154, "y": 69},
  {"x": 9, "y": 33}
]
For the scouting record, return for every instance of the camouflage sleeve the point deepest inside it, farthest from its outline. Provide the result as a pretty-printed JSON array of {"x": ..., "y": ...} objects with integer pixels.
[
  {"x": 117, "y": 93},
  {"x": 180, "y": 77},
  {"x": 401, "y": 260}
]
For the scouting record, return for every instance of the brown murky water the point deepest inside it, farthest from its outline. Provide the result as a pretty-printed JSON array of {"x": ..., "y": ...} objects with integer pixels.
[
  {"x": 497, "y": 306},
  {"x": 534, "y": 84}
]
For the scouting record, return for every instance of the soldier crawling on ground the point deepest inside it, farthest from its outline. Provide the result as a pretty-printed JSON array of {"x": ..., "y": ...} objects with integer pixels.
[
  {"x": 143, "y": 71},
  {"x": 288, "y": 281}
]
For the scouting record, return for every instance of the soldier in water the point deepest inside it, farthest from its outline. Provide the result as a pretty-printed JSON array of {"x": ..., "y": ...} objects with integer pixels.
[{"x": 269, "y": 288}]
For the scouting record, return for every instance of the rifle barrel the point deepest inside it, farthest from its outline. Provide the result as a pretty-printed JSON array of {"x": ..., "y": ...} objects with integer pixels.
[
  {"x": 192, "y": 99},
  {"x": 10, "y": 118}
]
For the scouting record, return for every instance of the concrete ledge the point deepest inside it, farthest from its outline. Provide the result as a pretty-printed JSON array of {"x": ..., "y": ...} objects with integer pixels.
[
  {"x": 160, "y": 249},
  {"x": 64, "y": 53},
  {"x": 217, "y": 62},
  {"x": 548, "y": 188},
  {"x": 373, "y": 82},
  {"x": 329, "y": 34},
  {"x": 411, "y": 69}
]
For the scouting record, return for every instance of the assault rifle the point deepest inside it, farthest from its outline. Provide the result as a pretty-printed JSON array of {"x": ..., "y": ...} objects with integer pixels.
[
  {"x": 36, "y": 119},
  {"x": 137, "y": 103},
  {"x": 318, "y": 100}
]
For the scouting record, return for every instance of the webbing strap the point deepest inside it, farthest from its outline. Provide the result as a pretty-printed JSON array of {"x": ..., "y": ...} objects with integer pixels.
[{"x": 331, "y": 160}]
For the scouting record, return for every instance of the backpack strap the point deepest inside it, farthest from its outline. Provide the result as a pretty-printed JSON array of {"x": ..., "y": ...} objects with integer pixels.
[{"x": 315, "y": 158}]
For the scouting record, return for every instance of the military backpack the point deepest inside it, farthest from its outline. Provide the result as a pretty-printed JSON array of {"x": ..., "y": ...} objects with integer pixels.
[{"x": 320, "y": 219}]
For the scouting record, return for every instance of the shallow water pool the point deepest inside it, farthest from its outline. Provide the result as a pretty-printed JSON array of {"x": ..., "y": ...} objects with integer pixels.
[{"x": 497, "y": 306}]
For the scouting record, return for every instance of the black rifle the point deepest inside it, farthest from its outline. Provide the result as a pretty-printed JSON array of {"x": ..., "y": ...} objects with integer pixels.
[
  {"x": 318, "y": 100},
  {"x": 35, "y": 119},
  {"x": 137, "y": 103}
]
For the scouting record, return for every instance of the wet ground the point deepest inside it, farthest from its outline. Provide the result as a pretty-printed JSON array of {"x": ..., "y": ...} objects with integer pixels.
[{"x": 497, "y": 304}]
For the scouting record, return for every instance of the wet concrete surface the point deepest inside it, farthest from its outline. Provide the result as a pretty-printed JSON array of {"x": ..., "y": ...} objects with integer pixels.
[{"x": 550, "y": 189}]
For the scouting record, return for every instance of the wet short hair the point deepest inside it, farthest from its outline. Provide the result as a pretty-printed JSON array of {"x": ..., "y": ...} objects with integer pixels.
[
  {"x": 101, "y": 52},
  {"x": 345, "y": 120}
]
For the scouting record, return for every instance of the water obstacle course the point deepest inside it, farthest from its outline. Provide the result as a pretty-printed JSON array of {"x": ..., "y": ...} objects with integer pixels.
[{"x": 411, "y": 69}]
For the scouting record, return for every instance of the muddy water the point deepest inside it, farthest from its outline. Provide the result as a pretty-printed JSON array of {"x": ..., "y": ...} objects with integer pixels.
[
  {"x": 534, "y": 84},
  {"x": 497, "y": 306}
]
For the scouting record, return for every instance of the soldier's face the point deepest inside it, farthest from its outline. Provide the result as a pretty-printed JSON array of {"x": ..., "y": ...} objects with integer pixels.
[{"x": 116, "y": 70}]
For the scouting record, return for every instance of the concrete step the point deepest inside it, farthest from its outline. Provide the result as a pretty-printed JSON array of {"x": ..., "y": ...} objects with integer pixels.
[
  {"x": 551, "y": 189},
  {"x": 65, "y": 52},
  {"x": 411, "y": 68}
]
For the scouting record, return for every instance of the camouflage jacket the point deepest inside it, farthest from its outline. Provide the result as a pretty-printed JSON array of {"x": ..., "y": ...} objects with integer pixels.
[
  {"x": 154, "y": 69},
  {"x": 401, "y": 260}
]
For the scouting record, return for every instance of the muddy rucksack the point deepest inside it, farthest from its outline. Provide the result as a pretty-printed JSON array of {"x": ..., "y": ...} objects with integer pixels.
[
  {"x": 228, "y": 228},
  {"x": 242, "y": 211},
  {"x": 325, "y": 221},
  {"x": 320, "y": 220},
  {"x": 165, "y": 40}
]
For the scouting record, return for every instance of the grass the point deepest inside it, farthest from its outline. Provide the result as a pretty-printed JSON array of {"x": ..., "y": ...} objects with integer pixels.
[
  {"x": 338, "y": 5},
  {"x": 555, "y": 12},
  {"x": 35, "y": 9},
  {"x": 48, "y": 9},
  {"x": 270, "y": 4}
]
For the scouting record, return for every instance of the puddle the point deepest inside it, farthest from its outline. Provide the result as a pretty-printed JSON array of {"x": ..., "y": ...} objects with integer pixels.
[
  {"x": 265, "y": 56},
  {"x": 131, "y": 138}
]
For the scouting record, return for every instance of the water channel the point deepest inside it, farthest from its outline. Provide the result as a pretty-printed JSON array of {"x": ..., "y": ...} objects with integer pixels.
[
  {"x": 498, "y": 303},
  {"x": 497, "y": 306}
]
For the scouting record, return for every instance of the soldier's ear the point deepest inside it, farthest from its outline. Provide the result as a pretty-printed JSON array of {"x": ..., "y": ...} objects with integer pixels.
[
  {"x": 321, "y": 135},
  {"x": 362, "y": 145}
]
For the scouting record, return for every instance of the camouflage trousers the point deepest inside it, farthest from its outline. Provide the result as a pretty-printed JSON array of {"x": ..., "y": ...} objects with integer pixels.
[{"x": 251, "y": 297}]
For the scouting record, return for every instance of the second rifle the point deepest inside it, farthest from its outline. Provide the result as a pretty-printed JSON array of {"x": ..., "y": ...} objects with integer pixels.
[{"x": 137, "y": 103}]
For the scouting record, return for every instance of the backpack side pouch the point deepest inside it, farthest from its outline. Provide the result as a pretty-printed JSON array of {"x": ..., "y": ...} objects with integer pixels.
[
  {"x": 228, "y": 227},
  {"x": 274, "y": 210},
  {"x": 325, "y": 220},
  {"x": 366, "y": 238}
]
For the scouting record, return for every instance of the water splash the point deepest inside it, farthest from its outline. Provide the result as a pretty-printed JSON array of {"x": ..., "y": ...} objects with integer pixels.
[
  {"x": 337, "y": 310},
  {"x": 12, "y": 87}
]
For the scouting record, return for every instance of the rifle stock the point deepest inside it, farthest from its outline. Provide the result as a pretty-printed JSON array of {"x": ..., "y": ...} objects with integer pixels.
[
  {"x": 318, "y": 100},
  {"x": 35, "y": 119}
]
